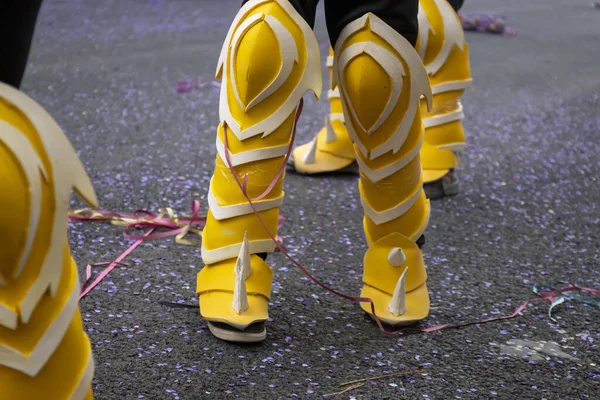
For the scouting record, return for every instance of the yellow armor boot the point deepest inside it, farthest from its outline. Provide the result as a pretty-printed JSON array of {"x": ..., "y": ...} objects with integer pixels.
[
  {"x": 44, "y": 352},
  {"x": 331, "y": 149},
  {"x": 381, "y": 80},
  {"x": 269, "y": 60},
  {"x": 445, "y": 54}
]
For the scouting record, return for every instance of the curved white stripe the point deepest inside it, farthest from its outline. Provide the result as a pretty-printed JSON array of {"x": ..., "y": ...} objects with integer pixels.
[
  {"x": 32, "y": 166},
  {"x": 424, "y": 29},
  {"x": 225, "y": 48},
  {"x": 451, "y": 86},
  {"x": 418, "y": 75},
  {"x": 32, "y": 364},
  {"x": 85, "y": 382},
  {"x": 453, "y": 35},
  {"x": 437, "y": 120},
  {"x": 242, "y": 30},
  {"x": 289, "y": 56},
  {"x": 310, "y": 81},
  {"x": 68, "y": 173},
  {"x": 226, "y": 212},
  {"x": 250, "y": 155},
  {"x": 232, "y": 251},
  {"x": 8, "y": 318},
  {"x": 375, "y": 175},
  {"x": 392, "y": 65},
  {"x": 381, "y": 217},
  {"x": 456, "y": 147}
]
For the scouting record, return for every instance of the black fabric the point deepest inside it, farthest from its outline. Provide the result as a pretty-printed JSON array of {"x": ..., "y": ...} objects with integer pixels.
[
  {"x": 306, "y": 8},
  {"x": 456, "y": 4},
  {"x": 17, "y": 23},
  {"x": 401, "y": 15}
]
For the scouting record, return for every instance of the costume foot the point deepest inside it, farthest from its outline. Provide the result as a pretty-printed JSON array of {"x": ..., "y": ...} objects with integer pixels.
[
  {"x": 252, "y": 334},
  {"x": 447, "y": 185},
  {"x": 395, "y": 279}
]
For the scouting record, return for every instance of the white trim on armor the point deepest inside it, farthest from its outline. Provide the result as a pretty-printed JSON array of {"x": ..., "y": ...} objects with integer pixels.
[
  {"x": 337, "y": 117},
  {"x": 289, "y": 56},
  {"x": 232, "y": 251},
  {"x": 333, "y": 93},
  {"x": 68, "y": 173},
  {"x": 32, "y": 363},
  {"x": 441, "y": 119},
  {"x": 225, "y": 212},
  {"x": 32, "y": 166},
  {"x": 329, "y": 62},
  {"x": 453, "y": 35},
  {"x": 392, "y": 65},
  {"x": 250, "y": 155},
  {"x": 375, "y": 175},
  {"x": 310, "y": 81},
  {"x": 451, "y": 86},
  {"x": 85, "y": 383},
  {"x": 455, "y": 147},
  {"x": 418, "y": 76},
  {"x": 381, "y": 217}
]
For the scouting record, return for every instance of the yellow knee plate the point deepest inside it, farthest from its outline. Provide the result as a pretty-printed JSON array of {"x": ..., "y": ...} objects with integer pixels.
[{"x": 44, "y": 352}]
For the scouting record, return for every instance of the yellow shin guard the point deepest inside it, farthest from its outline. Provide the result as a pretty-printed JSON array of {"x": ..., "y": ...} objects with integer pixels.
[
  {"x": 44, "y": 352},
  {"x": 381, "y": 80},
  {"x": 445, "y": 54},
  {"x": 270, "y": 59},
  {"x": 331, "y": 149}
]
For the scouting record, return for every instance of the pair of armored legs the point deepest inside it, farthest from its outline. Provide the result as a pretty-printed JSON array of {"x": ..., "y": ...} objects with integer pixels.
[
  {"x": 391, "y": 114},
  {"x": 395, "y": 117}
]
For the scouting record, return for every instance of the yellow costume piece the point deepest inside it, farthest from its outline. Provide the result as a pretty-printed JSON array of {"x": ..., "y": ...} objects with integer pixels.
[
  {"x": 44, "y": 352},
  {"x": 269, "y": 60},
  {"x": 381, "y": 80},
  {"x": 442, "y": 47},
  {"x": 331, "y": 149}
]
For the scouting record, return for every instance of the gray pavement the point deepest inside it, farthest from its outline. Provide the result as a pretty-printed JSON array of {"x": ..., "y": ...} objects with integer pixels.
[{"x": 107, "y": 70}]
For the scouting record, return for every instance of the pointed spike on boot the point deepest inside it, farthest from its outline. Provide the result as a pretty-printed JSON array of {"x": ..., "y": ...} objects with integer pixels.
[
  {"x": 329, "y": 131},
  {"x": 396, "y": 257},
  {"x": 397, "y": 305},
  {"x": 311, "y": 154},
  {"x": 242, "y": 271}
]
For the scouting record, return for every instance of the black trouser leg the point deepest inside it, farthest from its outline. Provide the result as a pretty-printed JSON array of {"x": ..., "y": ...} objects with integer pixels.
[
  {"x": 456, "y": 4},
  {"x": 306, "y": 8},
  {"x": 17, "y": 23},
  {"x": 401, "y": 15}
]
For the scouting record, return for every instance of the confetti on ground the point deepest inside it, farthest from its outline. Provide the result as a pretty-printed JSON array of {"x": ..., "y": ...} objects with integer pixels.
[{"x": 485, "y": 23}]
